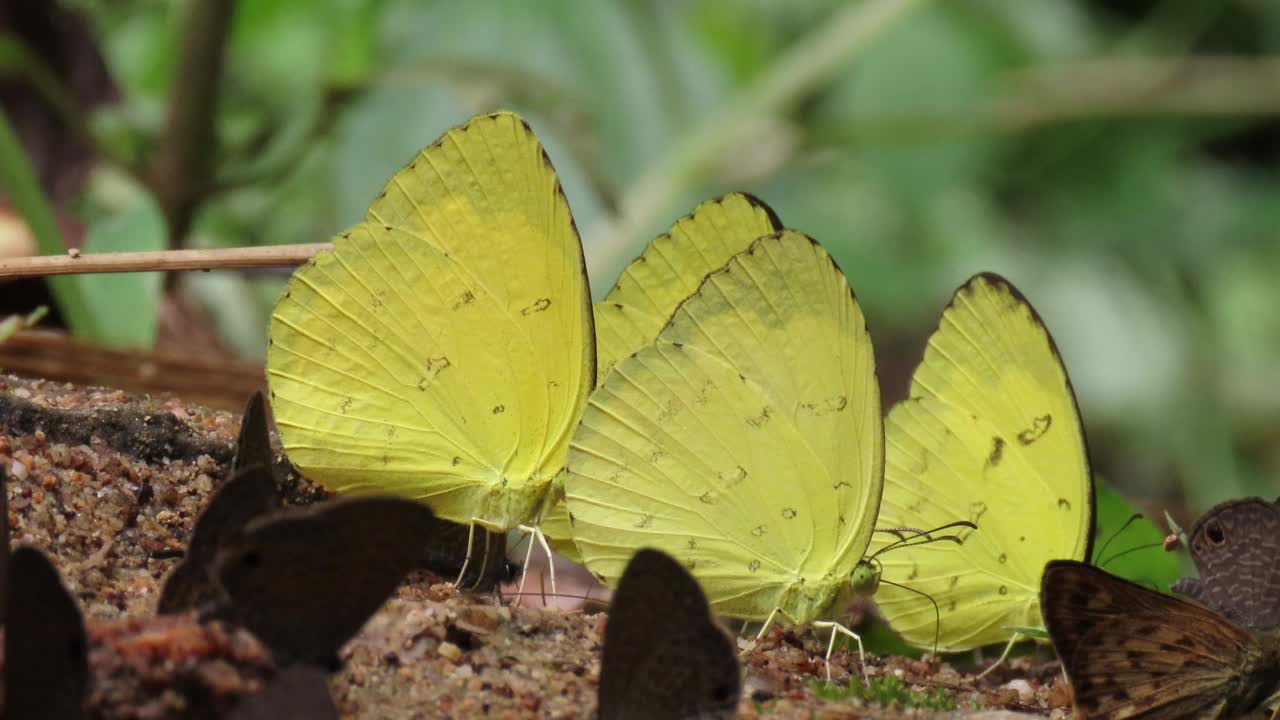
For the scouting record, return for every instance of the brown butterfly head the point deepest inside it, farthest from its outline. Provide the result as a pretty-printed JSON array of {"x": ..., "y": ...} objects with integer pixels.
[
  {"x": 1133, "y": 652},
  {"x": 664, "y": 654},
  {"x": 1235, "y": 547}
]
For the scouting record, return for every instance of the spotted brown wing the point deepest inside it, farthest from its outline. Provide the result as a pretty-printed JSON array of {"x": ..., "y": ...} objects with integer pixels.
[
  {"x": 664, "y": 654},
  {"x": 46, "y": 670},
  {"x": 305, "y": 580},
  {"x": 249, "y": 494},
  {"x": 300, "y": 691},
  {"x": 1235, "y": 547},
  {"x": 1133, "y": 652}
]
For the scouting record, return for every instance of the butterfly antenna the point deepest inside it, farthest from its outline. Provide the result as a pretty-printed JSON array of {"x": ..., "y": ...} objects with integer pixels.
[
  {"x": 922, "y": 537},
  {"x": 1132, "y": 519},
  {"x": 1122, "y": 553},
  {"x": 937, "y": 615}
]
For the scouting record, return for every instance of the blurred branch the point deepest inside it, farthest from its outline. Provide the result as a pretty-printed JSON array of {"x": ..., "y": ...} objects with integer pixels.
[
  {"x": 811, "y": 61},
  {"x": 1203, "y": 87},
  {"x": 206, "y": 259},
  {"x": 182, "y": 171},
  {"x": 216, "y": 380},
  {"x": 24, "y": 192}
]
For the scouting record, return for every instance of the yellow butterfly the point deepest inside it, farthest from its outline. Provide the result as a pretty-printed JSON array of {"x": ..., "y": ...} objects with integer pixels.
[
  {"x": 746, "y": 441},
  {"x": 991, "y": 432},
  {"x": 443, "y": 351},
  {"x": 651, "y": 287}
]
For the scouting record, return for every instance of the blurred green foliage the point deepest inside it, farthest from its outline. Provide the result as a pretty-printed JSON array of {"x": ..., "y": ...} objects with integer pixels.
[{"x": 1096, "y": 153}]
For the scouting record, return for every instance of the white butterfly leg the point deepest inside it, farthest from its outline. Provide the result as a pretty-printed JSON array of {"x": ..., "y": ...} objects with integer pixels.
[
  {"x": 837, "y": 628},
  {"x": 1016, "y": 637},
  {"x": 466, "y": 561},
  {"x": 536, "y": 534}
]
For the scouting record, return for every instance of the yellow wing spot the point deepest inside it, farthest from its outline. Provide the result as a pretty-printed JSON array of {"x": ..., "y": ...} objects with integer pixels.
[
  {"x": 759, "y": 530},
  {"x": 1064, "y": 504},
  {"x": 499, "y": 409},
  {"x": 1038, "y": 428},
  {"x": 789, "y": 513},
  {"x": 760, "y": 420},
  {"x": 466, "y": 298},
  {"x": 920, "y": 466},
  {"x": 976, "y": 510},
  {"x": 538, "y": 306},
  {"x": 1004, "y": 590},
  {"x": 955, "y": 580},
  {"x": 710, "y": 497},
  {"x": 832, "y": 404},
  {"x": 1003, "y": 559},
  {"x": 997, "y": 452},
  {"x": 667, "y": 412},
  {"x": 655, "y": 455},
  {"x": 344, "y": 406},
  {"x": 692, "y": 544},
  {"x": 915, "y": 572},
  {"x": 456, "y": 461},
  {"x": 739, "y": 474},
  {"x": 753, "y": 566},
  {"x": 646, "y": 521},
  {"x": 435, "y": 366},
  {"x": 704, "y": 393}
]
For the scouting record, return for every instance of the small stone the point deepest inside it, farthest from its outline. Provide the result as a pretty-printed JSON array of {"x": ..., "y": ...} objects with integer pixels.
[
  {"x": 1025, "y": 692},
  {"x": 449, "y": 651}
]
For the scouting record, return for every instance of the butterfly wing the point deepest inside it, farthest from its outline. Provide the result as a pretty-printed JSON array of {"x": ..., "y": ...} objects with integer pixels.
[
  {"x": 991, "y": 434},
  {"x": 299, "y": 691},
  {"x": 1235, "y": 546},
  {"x": 664, "y": 655},
  {"x": 1133, "y": 652},
  {"x": 746, "y": 441},
  {"x": 654, "y": 284},
  {"x": 46, "y": 669},
  {"x": 671, "y": 269},
  {"x": 251, "y": 493},
  {"x": 444, "y": 349},
  {"x": 304, "y": 581},
  {"x": 253, "y": 445}
]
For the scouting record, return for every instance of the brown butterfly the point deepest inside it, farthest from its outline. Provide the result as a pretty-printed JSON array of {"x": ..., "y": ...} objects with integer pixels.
[
  {"x": 664, "y": 654},
  {"x": 300, "y": 691},
  {"x": 1236, "y": 548},
  {"x": 1133, "y": 652},
  {"x": 305, "y": 580},
  {"x": 251, "y": 492},
  {"x": 46, "y": 670}
]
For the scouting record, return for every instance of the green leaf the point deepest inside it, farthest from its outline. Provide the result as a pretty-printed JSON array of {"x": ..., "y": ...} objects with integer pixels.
[
  {"x": 19, "y": 179},
  {"x": 124, "y": 305},
  {"x": 1133, "y": 550}
]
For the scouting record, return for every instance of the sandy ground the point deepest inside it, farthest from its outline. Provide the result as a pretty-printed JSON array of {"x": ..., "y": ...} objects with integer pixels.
[{"x": 110, "y": 484}]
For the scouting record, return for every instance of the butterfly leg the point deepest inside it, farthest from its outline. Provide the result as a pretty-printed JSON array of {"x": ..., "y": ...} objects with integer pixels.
[
  {"x": 837, "y": 628},
  {"x": 466, "y": 560},
  {"x": 1016, "y": 637},
  {"x": 536, "y": 535}
]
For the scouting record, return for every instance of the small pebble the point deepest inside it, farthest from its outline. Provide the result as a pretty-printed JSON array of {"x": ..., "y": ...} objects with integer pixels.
[{"x": 449, "y": 651}]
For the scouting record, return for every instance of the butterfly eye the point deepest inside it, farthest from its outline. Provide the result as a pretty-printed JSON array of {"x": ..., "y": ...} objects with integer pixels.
[{"x": 1215, "y": 534}]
